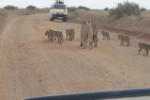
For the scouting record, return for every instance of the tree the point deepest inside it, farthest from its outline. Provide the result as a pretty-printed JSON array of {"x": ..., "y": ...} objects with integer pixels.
[
  {"x": 82, "y": 7},
  {"x": 106, "y": 9},
  {"x": 71, "y": 9},
  {"x": 30, "y": 7},
  {"x": 143, "y": 9},
  {"x": 125, "y": 9},
  {"x": 10, "y": 7}
]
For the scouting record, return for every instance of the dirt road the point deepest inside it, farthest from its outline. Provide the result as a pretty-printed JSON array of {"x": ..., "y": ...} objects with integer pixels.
[{"x": 32, "y": 66}]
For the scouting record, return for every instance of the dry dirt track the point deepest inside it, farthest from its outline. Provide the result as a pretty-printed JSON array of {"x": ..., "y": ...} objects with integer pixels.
[{"x": 32, "y": 66}]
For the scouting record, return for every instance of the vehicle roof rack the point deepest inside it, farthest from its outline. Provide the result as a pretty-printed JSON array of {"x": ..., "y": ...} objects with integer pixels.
[{"x": 59, "y": 2}]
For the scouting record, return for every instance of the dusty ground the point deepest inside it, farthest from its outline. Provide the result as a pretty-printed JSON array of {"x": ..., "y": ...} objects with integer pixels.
[{"x": 32, "y": 66}]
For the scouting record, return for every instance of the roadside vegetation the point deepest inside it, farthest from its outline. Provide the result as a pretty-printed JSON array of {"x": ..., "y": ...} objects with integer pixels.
[
  {"x": 3, "y": 16},
  {"x": 127, "y": 18},
  {"x": 72, "y": 9},
  {"x": 126, "y": 9},
  {"x": 10, "y": 7},
  {"x": 31, "y": 9}
]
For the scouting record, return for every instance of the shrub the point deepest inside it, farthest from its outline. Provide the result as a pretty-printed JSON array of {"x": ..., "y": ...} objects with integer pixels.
[
  {"x": 84, "y": 8},
  {"x": 10, "y": 7},
  {"x": 143, "y": 9},
  {"x": 125, "y": 9},
  {"x": 106, "y": 9},
  {"x": 30, "y": 7},
  {"x": 71, "y": 9}
]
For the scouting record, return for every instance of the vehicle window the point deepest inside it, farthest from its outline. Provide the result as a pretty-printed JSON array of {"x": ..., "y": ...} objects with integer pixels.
[{"x": 59, "y": 6}]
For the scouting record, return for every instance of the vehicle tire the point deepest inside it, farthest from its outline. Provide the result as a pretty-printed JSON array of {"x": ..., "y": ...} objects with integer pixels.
[
  {"x": 65, "y": 19},
  {"x": 51, "y": 19}
]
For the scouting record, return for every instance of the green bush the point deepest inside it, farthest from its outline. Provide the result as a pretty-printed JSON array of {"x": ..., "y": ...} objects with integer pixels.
[
  {"x": 143, "y": 9},
  {"x": 30, "y": 7},
  {"x": 10, "y": 7},
  {"x": 125, "y": 9},
  {"x": 84, "y": 8},
  {"x": 106, "y": 9},
  {"x": 71, "y": 9}
]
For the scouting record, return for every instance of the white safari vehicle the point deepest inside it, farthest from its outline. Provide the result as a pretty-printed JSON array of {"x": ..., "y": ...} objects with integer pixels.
[{"x": 59, "y": 11}]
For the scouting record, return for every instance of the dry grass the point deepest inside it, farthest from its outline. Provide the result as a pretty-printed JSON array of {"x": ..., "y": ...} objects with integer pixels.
[
  {"x": 138, "y": 26},
  {"x": 83, "y": 15},
  {"x": 3, "y": 12},
  {"x": 28, "y": 12},
  {"x": 3, "y": 15}
]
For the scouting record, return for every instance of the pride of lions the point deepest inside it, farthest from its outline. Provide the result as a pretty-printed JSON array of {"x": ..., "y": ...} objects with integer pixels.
[{"x": 89, "y": 37}]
